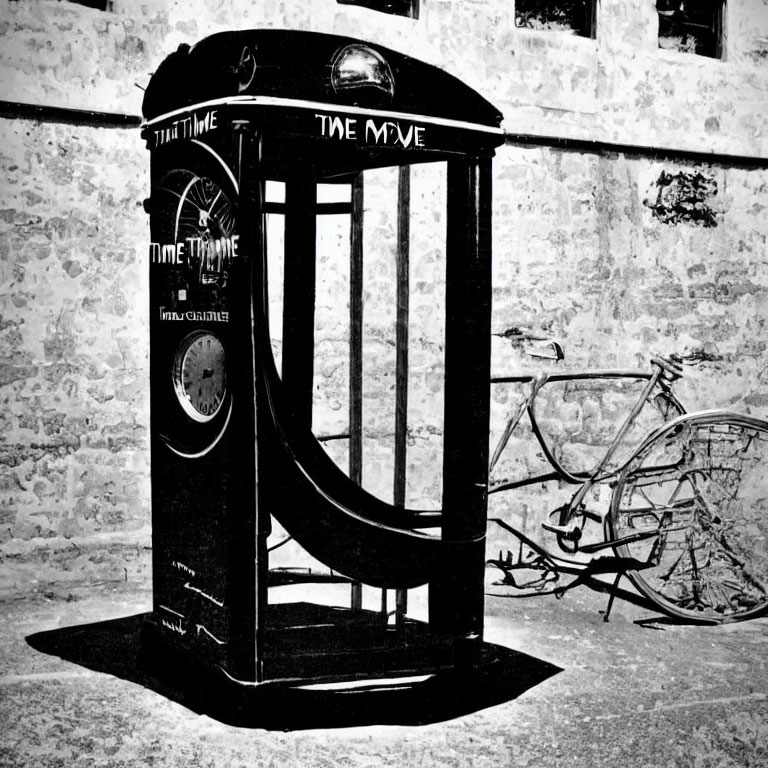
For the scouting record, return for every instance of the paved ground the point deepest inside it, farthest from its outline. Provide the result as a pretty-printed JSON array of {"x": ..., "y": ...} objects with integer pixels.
[{"x": 581, "y": 693}]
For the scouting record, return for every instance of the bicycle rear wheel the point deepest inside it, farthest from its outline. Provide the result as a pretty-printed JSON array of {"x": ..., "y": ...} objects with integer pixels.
[{"x": 698, "y": 487}]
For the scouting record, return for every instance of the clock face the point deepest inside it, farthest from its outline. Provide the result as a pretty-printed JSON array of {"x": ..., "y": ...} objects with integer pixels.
[{"x": 199, "y": 375}]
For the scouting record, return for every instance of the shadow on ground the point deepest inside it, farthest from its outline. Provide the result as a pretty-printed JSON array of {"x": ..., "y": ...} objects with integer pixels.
[
  {"x": 657, "y": 621},
  {"x": 111, "y": 647}
]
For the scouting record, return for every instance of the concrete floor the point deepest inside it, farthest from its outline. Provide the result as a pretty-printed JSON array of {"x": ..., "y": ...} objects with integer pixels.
[{"x": 631, "y": 692}]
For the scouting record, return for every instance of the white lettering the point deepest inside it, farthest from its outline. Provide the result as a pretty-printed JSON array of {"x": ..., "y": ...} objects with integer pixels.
[
  {"x": 168, "y": 255},
  {"x": 182, "y": 567},
  {"x": 186, "y": 128},
  {"x": 389, "y": 133},
  {"x": 214, "y": 256},
  {"x": 175, "y": 626},
  {"x": 201, "y": 628},
  {"x": 204, "y": 594},
  {"x": 336, "y": 126},
  {"x": 209, "y": 316},
  {"x": 345, "y": 128},
  {"x": 379, "y": 134},
  {"x": 404, "y": 140}
]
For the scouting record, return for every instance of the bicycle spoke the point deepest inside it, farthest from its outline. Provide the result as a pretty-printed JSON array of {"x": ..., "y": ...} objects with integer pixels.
[{"x": 711, "y": 561}]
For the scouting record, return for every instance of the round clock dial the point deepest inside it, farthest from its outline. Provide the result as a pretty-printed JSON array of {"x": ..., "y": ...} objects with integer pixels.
[{"x": 199, "y": 375}]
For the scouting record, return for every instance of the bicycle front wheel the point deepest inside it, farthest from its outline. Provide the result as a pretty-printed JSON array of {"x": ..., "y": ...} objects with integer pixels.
[{"x": 695, "y": 498}]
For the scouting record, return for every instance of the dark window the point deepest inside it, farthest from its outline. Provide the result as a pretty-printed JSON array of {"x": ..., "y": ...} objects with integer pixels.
[
  {"x": 409, "y": 8},
  {"x": 575, "y": 16},
  {"x": 695, "y": 26},
  {"x": 99, "y": 5}
]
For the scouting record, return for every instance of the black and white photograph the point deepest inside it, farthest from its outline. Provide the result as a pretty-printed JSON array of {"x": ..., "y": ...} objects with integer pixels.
[{"x": 384, "y": 383}]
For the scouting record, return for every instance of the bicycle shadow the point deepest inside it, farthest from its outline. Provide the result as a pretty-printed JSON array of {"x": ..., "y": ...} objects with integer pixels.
[
  {"x": 658, "y": 621},
  {"x": 111, "y": 647}
]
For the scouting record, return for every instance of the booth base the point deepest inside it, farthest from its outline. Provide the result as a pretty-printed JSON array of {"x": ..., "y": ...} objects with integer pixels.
[
  {"x": 307, "y": 643},
  {"x": 337, "y": 669}
]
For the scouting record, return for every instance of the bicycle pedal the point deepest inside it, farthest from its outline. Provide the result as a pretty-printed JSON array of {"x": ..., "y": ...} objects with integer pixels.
[{"x": 568, "y": 532}]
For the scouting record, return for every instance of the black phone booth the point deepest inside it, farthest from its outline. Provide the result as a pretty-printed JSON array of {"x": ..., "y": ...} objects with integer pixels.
[{"x": 231, "y": 438}]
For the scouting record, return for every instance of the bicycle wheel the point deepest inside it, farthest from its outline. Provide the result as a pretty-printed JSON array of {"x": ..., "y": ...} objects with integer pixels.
[{"x": 698, "y": 487}]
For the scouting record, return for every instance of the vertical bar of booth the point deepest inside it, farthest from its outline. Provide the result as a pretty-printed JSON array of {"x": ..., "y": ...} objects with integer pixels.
[
  {"x": 456, "y": 593},
  {"x": 248, "y": 570},
  {"x": 299, "y": 298},
  {"x": 356, "y": 351},
  {"x": 401, "y": 355}
]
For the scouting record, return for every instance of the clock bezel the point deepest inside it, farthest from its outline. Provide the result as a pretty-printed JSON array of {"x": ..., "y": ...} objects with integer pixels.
[{"x": 178, "y": 379}]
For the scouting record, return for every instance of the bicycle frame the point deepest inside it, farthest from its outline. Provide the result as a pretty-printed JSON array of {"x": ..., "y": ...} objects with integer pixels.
[
  {"x": 660, "y": 375},
  {"x": 537, "y": 381}
]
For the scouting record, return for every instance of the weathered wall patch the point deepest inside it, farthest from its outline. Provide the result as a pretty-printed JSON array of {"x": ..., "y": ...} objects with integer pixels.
[{"x": 682, "y": 198}]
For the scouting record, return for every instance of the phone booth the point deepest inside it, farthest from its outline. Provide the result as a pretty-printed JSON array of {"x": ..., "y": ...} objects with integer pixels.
[{"x": 231, "y": 439}]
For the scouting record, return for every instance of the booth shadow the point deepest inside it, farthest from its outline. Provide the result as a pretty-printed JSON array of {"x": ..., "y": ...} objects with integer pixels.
[{"x": 112, "y": 647}]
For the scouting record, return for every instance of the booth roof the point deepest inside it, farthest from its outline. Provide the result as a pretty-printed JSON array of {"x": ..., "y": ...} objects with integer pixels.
[{"x": 300, "y": 65}]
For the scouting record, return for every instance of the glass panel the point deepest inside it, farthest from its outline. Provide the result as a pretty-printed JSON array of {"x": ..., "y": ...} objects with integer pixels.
[
  {"x": 331, "y": 368},
  {"x": 274, "y": 192},
  {"x": 334, "y": 193},
  {"x": 379, "y": 353},
  {"x": 275, "y": 264},
  {"x": 426, "y": 335},
  {"x": 426, "y": 347}
]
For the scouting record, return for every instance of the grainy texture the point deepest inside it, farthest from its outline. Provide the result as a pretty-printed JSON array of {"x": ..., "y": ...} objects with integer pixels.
[
  {"x": 622, "y": 694},
  {"x": 74, "y": 451},
  {"x": 617, "y": 256},
  {"x": 612, "y": 254}
]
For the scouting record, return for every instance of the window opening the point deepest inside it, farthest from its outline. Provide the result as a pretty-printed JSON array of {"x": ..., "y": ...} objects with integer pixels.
[
  {"x": 408, "y": 8},
  {"x": 274, "y": 191},
  {"x": 99, "y": 5},
  {"x": 574, "y": 16},
  {"x": 691, "y": 27}
]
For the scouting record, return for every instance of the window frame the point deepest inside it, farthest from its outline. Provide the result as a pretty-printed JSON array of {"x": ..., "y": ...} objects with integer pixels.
[
  {"x": 672, "y": 18},
  {"x": 405, "y": 8},
  {"x": 589, "y": 29}
]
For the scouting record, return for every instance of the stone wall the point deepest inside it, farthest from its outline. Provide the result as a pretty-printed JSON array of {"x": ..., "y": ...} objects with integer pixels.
[
  {"x": 617, "y": 87},
  {"x": 617, "y": 255},
  {"x": 73, "y": 335},
  {"x": 621, "y": 258}
]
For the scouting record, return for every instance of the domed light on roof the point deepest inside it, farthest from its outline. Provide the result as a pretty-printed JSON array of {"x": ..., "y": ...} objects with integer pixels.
[{"x": 358, "y": 67}]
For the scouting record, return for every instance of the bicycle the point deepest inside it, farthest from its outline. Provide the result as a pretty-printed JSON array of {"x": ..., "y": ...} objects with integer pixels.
[{"x": 687, "y": 521}]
